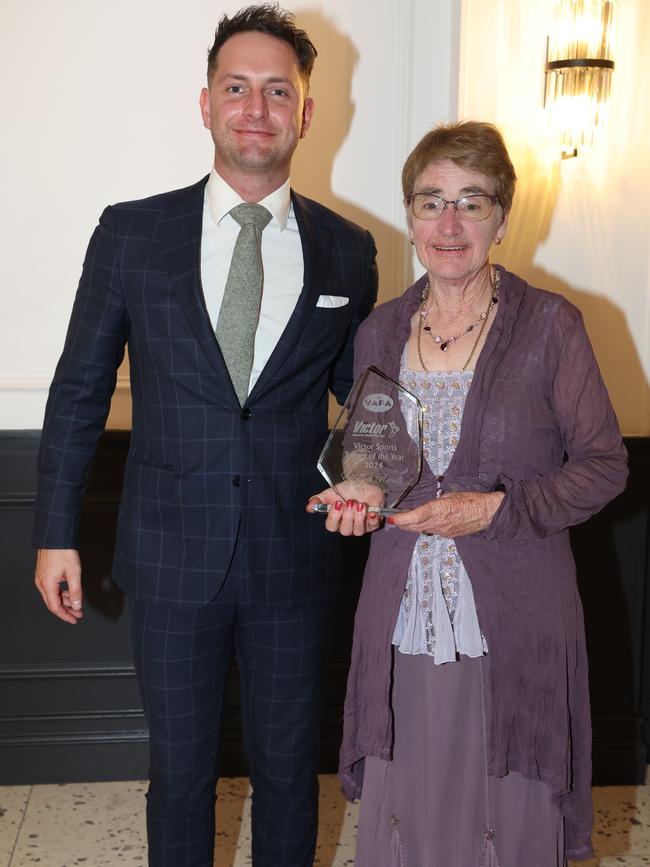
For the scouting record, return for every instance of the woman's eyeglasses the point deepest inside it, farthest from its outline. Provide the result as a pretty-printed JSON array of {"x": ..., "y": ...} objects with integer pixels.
[{"x": 475, "y": 208}]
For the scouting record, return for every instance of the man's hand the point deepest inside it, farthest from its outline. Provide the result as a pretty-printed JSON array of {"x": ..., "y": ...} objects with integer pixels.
[
  {"x": 451, "y": 515},
  {"x": 53, "y": 567}
]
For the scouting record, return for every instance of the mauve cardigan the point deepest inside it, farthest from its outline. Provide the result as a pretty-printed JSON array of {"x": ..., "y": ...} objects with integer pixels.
[{"x": 538, "y": 423}]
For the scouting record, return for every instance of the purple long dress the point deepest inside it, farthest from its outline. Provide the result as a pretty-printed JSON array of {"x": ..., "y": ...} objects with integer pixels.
[{"x": 434, "y": 803}]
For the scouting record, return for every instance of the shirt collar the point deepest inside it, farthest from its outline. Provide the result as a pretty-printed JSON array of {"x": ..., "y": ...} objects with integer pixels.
[{"x": 222, "y": 199}]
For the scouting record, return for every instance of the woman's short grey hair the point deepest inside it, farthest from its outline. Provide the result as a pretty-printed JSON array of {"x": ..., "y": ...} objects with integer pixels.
[{"x": 471, "y": 144}]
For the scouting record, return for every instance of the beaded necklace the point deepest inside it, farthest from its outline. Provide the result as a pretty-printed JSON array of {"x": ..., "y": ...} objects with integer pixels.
[{"x": 444, "y": 343}]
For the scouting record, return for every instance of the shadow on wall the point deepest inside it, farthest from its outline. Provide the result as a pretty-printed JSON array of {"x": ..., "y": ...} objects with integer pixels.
[
  {"x": 313, "y": 169},
  {"x": 529, "y": 227}
]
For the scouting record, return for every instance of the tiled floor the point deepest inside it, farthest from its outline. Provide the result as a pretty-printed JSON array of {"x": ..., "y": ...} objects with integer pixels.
[{"x": 103, "y": 824}]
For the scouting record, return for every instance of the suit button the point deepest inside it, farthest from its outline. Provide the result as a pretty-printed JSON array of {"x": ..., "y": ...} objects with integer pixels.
[
  {"x": 246, "y": 414},
  {"x": 235, "y": 481}
]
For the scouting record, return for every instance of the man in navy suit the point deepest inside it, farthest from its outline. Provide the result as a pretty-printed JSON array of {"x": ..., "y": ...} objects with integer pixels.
[{"x": 214, "y": 549}]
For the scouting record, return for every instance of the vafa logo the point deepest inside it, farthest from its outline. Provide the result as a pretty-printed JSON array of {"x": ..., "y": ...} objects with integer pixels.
[{"x": 378, "y": 402}]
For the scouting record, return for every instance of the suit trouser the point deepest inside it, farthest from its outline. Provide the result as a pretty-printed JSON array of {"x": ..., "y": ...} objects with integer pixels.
[{"x": 182, "y": 660}]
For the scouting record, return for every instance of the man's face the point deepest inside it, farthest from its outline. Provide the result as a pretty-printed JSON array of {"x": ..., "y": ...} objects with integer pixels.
[{"x": 255, "y": 107}]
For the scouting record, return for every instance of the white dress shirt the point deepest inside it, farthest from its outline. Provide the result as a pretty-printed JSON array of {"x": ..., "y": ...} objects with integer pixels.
[{"x": 282, "y": 261}]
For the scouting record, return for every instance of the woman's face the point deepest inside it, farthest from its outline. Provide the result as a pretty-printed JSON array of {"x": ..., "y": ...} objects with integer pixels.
[{"x": 451, "y": 248}]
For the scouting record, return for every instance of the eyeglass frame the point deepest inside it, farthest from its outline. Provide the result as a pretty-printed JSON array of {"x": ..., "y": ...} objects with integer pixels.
[{"x": 493, "y": 198}]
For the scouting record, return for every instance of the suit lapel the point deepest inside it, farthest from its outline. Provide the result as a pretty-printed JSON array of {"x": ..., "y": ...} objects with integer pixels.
[
  {"x": 316, "y": 241},
  {"x": 180, "y": 243},
  {"x": 179, "y": 236}
]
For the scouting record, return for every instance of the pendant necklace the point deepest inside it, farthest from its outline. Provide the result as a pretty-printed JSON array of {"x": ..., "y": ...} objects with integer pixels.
[{"x": 444, "y": 343}]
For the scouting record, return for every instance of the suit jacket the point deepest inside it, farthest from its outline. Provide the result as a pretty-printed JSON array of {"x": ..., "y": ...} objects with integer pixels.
[{"x": 202, "y": 471}]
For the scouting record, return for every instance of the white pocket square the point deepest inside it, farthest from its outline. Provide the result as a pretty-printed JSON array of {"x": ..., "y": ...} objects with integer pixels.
[{"x": 332, "y": 301}]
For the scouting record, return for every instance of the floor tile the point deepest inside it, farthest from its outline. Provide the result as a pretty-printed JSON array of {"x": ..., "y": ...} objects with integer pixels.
[
  {"x": 233, "y": 834},
  {"x": 619, "y": 861},
  {"x": 622, "y": 823},
  {"x": 13, "y": 800},
  {"x": 102, "y": 824},
  {"x": 337, "y": 826},
  {"x": 621, "y": 826},
  {"x": 88, "y": 824}
]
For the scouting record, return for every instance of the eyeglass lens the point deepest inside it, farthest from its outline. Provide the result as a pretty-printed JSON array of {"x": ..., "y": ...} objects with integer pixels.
[{"x": 429, "y": 207}]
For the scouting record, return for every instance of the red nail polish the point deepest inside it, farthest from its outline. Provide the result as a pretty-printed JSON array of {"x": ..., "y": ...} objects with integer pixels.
[
  {"x": 349, "y": 504},
  {"x": 338, "y": 505},
  {"x": 390, "y": 520},
  {"x": 360, "y": 507}
]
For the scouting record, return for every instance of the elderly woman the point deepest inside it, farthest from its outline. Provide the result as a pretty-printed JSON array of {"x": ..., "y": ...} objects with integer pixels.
[{"x": 467, "y": 725}]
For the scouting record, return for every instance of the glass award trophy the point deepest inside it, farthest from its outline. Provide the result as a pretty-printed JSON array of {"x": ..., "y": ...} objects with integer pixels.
[{"x": 374, "y": 451}]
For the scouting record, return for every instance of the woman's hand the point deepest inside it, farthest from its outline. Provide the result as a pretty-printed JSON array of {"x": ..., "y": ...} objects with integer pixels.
[
  {"x": 451, "y": 515},
  {"x": 353, "y": 516}
]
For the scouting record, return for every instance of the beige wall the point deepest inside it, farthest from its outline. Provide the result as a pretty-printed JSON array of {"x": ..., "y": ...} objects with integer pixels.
[
  {"x": 100, "y": 104},
  {"x": 582, "y": 226}
]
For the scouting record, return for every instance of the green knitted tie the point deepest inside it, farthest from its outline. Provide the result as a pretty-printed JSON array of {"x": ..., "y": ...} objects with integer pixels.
[{"x": 240, "y": 308}]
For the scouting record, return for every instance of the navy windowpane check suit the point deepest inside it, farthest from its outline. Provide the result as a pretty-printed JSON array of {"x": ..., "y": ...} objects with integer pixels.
[{"x": 214, "y": 493}]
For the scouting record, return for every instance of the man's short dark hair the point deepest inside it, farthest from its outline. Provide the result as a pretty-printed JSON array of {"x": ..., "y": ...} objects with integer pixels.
[{"x": 266, "y": 18}]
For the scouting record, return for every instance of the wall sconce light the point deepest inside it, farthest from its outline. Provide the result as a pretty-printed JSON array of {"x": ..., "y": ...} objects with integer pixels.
[{"x": 579, "y": 69}]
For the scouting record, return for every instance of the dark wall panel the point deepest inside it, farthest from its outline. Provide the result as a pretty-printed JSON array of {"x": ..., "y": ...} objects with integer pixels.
[{"x": 69, "y": 704}]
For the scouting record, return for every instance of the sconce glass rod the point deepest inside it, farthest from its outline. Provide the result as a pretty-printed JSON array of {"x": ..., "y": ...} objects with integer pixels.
[{"x": 579, "y": 66}]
